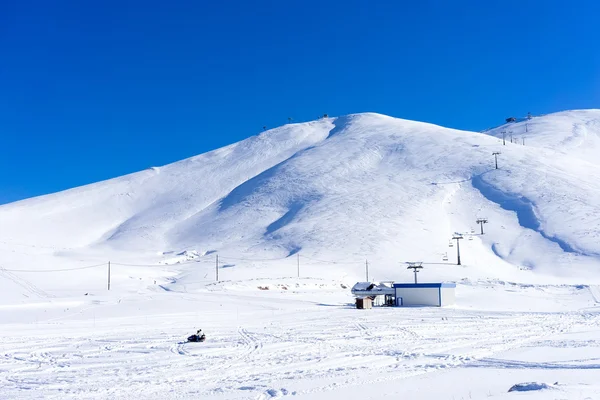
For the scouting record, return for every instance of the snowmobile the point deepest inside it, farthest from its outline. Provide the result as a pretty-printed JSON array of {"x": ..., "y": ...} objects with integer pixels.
[{"x": 198, "y": 337}]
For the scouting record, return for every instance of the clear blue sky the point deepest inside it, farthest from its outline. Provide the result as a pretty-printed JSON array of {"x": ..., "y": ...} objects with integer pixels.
[{"x": 94, "y": 90}]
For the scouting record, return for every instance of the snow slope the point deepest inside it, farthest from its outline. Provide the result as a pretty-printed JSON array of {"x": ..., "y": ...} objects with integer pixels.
[
  {"x": 576, "y": 133},
  {"x": 316, "y": 200},
  {"x": 345, "y": 189}
]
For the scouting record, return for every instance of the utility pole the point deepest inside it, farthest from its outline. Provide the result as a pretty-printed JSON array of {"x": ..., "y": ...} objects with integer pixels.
[
  {"x": 495, "y": 154},
  {"x": 503, "y": 138},
  {"x": 109, "y": 275},
  {"x": 523, "y": 141},
  {"x": 298, "y": 260},
  {"x": 457, "y": 237},
  {"x": 482, "y": 221},
  {"x": 511, "y": 137},
  {"x": 217, "y": 268},
  {"x": 415, "y": 266},
  {"x": 367, "y": 269}
]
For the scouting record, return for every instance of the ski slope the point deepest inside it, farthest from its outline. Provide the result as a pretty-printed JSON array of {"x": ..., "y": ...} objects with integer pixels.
[{"x": 292, "y": 214}]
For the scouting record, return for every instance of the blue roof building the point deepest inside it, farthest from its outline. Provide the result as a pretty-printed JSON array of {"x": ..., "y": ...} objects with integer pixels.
[{"x": 425, "y": 294}]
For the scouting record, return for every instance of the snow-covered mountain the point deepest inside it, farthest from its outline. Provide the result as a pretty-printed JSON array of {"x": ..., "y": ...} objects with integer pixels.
[
  {"x": 363, "y": 186},
  {"x": 317, "y": 200},
  {"x": 575, "y": 133}
]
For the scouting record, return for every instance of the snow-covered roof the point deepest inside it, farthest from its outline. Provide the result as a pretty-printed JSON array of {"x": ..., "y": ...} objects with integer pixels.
[{"x": 372, "y": 288}]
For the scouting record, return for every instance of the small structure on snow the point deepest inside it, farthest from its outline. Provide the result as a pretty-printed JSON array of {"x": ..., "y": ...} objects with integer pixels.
[
  {"x": 511, "y": 119},
  {"x": 364, "y": 303},
  {"x": 404, "y": 294},
  {"x": 380, "y": 293},
  {"x": 424, "y": 294}
]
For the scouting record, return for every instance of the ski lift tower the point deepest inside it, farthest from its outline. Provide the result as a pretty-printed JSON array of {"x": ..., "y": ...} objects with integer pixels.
[
  {"x": 482, "y": 221},
  {"x": 496, "y": 154},
  {"x": 416, "y": 267},
  {"x": 457, "y": 237}
]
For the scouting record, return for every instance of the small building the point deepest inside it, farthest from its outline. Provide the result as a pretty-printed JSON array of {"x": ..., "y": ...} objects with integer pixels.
[
  {"x": 424, "y": 294},
  {"x": 381, "y": 293},
  {"x": 511, "y": 119},
  {"x": 364, "y": 303}
]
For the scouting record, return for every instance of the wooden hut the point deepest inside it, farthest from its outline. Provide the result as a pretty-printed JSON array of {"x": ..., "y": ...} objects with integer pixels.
[{"x": 363, "y": 303}]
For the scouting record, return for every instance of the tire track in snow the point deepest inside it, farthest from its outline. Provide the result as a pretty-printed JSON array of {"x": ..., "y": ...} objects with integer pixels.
[
  {"x": 25, "y": 284},
  {"x": 595, "y": 291},
  {"x": 252, "y": 344},
  {"x": 179, "y": 349},
  {"x": 363, "y": 329},
  {"x": 496, "y": 339}
]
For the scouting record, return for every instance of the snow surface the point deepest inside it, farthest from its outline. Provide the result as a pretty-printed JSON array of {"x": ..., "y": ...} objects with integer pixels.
[{"x": 316, "y": 200}]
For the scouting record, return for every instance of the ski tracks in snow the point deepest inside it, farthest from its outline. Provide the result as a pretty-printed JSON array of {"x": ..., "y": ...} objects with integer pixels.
[
  {"x": 251, "y": 343},
  {"x": 595, "y": 291},
  {"x": 25, "y": 284},
  {"x": 328, "y": 350}
]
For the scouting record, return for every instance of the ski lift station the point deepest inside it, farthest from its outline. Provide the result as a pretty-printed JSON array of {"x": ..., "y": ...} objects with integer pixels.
[{"x": 404, "y": 294}]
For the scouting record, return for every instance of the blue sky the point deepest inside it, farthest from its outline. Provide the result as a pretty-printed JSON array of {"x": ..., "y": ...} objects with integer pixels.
[{"x": 94, "y": 90}]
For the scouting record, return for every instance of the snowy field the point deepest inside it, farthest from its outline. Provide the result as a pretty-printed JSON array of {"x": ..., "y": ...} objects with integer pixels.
[
  {"x": 316, "y": 200},
  {"x": 307, "y": 342}
]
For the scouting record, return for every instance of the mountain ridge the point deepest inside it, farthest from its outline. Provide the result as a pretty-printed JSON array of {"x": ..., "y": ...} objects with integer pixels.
[{"x": 358, "y": 185}]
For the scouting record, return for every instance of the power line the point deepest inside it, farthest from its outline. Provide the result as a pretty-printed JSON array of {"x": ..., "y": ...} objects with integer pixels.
[
  {"x": 163, "y": 265},
  {"x": 35, "y": 246},
  {"x": 55, "y": 270},
  {"x": 254, "y": 259},
  {"x": 331, "y": 261}
]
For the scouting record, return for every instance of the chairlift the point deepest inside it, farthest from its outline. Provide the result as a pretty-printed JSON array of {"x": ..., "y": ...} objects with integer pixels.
[
  {"x": 470, "y": 237},
  {"x": 450, "y": 243},
  {"x": 445, "y": 257}
]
